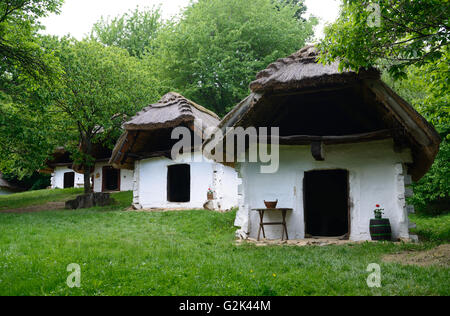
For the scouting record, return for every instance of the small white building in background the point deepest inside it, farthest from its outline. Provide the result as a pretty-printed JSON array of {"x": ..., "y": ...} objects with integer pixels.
[
  {"x": 104, "y": 178},
  {"x": 161, "y": 182},
  {"x": 347, "y": 143},
  {"x": 63, "y": 177}
]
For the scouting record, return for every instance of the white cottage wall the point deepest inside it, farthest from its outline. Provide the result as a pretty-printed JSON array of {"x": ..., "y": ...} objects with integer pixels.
[
  {"x": 57, "y": 179},
  {"x": 150, "y": 183},
  {"x": 376, "y": 176}
]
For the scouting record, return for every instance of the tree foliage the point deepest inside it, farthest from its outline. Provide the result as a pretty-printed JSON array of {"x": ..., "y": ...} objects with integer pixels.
[
  {"x": 427, "y": 88},
  {"x": 135, "y": 31},
  {"x": 100, "y": 89},
  {"x": 25, "y": 133},
  {"x": 298, "y": 5},
  {"x": 19, "y": 45},
  {"x": 398, "y": 33},
  {"x": 218, "y": 46}
]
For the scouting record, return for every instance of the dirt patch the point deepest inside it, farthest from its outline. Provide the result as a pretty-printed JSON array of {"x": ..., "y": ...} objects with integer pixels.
[
  {"x": 50, "y": 206},
  {"x": 439, "y": 256}
]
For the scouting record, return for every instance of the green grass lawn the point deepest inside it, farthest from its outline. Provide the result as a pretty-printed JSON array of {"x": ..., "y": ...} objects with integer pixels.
[
  {"x": 187, "y": 253},
  {"x": 432, "y": 228}
]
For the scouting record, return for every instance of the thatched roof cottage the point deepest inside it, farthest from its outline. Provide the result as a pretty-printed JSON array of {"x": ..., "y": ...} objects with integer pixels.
[
  {"x": 347, "y": 143},
  {"x": 104, "y": 178},
  {"x": 60, "y": 167},
  {"x": 181, "y": 182}
]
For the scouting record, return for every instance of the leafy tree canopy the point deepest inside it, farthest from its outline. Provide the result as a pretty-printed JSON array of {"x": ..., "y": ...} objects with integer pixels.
[
  {"x": 24, "y": 65},
  {"x": 135, "y": 31},
  {"x": 100, "y": 89},
  {"x": 395, "y": 33},
  {"x": 427, "y": 89},
  {"x": 218, "y": 46},
  {"x": 19, "y": 45}
]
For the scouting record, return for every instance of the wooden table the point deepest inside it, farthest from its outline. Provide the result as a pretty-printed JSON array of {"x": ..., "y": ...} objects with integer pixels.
[{"x": 261, "y": 212}]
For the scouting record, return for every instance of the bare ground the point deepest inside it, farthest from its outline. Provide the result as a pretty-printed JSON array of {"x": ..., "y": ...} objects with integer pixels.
[
  {"x": 439, "y": 256},
  {"x": 300, "y": 242}
]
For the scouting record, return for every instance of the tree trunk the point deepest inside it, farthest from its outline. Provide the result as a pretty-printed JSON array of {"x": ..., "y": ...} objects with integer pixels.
[
  {"x": 87, "y": 180},
  {"x": 86, "y": 147}
]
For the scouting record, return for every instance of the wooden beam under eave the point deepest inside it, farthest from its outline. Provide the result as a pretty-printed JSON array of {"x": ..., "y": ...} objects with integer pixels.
[
  {"x": 330, "y": 140},
  {"x": 317, "y": 151}
]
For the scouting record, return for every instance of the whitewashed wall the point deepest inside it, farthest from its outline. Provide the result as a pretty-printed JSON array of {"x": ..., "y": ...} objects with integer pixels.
[
  {"x": 150, "y": 187},
  {"x": 376, "y": 175},
  {"x": 126, "y": 178},
  {"x": 57, "y": 179}
]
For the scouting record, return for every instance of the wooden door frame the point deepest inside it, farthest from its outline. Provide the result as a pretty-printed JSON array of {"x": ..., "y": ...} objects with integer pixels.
[
  {"x": 104, "y": 178},
  {"x": 72, "y": 173},
  {"x": 348, "y": 199}
]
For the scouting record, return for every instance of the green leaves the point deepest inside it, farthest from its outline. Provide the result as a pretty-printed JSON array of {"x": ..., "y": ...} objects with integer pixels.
[
  {"x": 215, "y": 50},
  {"x": 427, "y": 89},
  {"x": 406, "y": 33},
  {"x": 135, "y": 31},
  {"x": 100, "y": 89},
  {"x": 24, "y": 67}
]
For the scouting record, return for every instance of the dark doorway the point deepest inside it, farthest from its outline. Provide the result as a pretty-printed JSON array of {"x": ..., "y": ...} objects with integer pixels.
[
  {"x": 179, "y": 183},
  {"x": 111, "y": 179},
  {"x": 69, "y": 180},
  {"x": 326, "y": 203}
]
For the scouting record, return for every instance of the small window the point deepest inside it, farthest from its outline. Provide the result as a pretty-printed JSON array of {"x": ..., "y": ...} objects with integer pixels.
[
  {"x": 69, "y": 180},
  {"x": 179, "y": 183}
]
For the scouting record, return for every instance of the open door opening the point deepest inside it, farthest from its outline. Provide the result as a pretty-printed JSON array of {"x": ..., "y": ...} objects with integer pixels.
[
  {"x": 179, "y": 183},
  {"x": 326, "y": 196},
  {"x": 69, "y": 180},
  {"x": 111, "y": 179}
]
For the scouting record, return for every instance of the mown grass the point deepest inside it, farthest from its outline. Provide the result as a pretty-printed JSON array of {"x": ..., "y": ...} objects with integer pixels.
[
  {"x": 39, "y": 197},
  {"x": 433, "y": 228},
  {"x": 187, "y": 253}
]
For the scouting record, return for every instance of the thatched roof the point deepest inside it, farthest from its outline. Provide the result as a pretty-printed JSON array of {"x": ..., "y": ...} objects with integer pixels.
[
  {"x": 148, "y": 133},
  {"x": 170, "y": 111},
  {"x": 310, "y": 101},
  {"x": 300, "y": 71}
]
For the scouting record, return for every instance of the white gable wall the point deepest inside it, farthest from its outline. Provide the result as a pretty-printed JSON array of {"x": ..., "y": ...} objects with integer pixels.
[
  {"x": 150, "y": 188},
  {"x": 376, "y": 176},
  {"x": 57, "y": 179}
]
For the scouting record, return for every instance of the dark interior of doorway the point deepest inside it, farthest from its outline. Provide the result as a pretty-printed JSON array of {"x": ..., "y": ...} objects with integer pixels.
[
  {"x": 111, "y": 179},
  {"x": 326, "y": 203},
  {"x": 179, "y": 183},
  {"x": 69, "y": 180}
]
